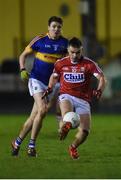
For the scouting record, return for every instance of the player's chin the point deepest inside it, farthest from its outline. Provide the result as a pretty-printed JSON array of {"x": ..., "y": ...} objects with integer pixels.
[
  {"x": 75, "y": 60},
  {"x": 57, "y": 35}
]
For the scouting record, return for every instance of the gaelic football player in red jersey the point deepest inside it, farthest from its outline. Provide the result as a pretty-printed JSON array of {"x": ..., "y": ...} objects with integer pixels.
[{"x": 75, "y": 73}]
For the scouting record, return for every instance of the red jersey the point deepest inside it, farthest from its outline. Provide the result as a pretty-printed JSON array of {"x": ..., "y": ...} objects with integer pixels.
[{"x": 75, "y": 79}]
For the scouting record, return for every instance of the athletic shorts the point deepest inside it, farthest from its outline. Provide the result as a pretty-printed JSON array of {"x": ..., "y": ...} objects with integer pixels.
[
  {"x": 80, "y": 106},
  {"x": 36, "y": 86}
]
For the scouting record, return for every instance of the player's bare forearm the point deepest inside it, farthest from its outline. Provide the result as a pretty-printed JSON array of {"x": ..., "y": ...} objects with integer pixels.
[
  {"x": 102, "y": 82},
  {"x": 101, "y": 85},
  {"x": 22, "y": 58},
  {"x": 53, "y": 80}
]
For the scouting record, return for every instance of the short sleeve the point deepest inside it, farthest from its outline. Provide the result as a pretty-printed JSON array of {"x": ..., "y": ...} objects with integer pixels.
[
  {"x": 95, "y": 69},
  {"x": 33, "y": 45}
]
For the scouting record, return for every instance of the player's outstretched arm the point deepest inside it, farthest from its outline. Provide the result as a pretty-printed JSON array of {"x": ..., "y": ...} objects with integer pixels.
[
  {"x": 52, "y": 81},
  {"x": 101, "y": 85},
  {"x": 23, "y": 56},
  {"x": 23, "y": 72},
  {"x": 47, "y": 92}
]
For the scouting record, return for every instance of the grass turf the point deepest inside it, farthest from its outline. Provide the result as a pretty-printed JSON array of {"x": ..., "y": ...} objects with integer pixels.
[{"x": 100, "y": 155}]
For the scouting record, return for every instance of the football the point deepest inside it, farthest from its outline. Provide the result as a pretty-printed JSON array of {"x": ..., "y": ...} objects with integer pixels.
[{"x": 73, "y": 118}]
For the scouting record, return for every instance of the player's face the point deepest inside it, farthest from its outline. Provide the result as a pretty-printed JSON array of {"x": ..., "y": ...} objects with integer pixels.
[
  {"x": 55, "y": 30},
  {"x": 75, "y": 53}
]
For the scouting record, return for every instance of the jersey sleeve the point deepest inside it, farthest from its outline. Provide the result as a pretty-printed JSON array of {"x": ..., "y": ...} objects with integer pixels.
[
  {"x": 96, "y": 69},
  {"x": 33, "y": 45}
]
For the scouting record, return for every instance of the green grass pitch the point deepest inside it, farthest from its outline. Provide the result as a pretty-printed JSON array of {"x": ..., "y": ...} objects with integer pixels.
[{"x": 100, "y": 155}]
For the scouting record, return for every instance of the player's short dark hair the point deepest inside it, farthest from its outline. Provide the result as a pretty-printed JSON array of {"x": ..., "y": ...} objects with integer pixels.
[
  {"x": 75, "y": 42},
  {"x": 55, "y": 19}
]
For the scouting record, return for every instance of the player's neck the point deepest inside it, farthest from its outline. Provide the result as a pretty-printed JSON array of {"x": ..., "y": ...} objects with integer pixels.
[
  {"x": 74, "y": 62},
  {"x": 53, "y": 37}
]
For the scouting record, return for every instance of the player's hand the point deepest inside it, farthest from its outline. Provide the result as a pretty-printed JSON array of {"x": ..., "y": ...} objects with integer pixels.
[
  {"x": 24, "y": 75},
  {"x": 47, "y": 92},
  {"x": 97, "y": 93}
]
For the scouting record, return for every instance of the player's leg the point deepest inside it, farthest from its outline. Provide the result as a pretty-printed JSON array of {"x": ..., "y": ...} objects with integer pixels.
[
  {"x": 83, "y": 130},
  {"x": 58, "y": 111},
  {"x": 81, "y": 136},
  {"x": 29, "y": 122},
  {"x": 24, "y": 131},
  {"x": 37, "y": 123},
  {"x": 53, "y": 102},
  {"x": 41, "y": 112},
  {"x": 66, "y": 105},
  {"x": 82, "y": 107},
  {"x": 59, "y": 118}
]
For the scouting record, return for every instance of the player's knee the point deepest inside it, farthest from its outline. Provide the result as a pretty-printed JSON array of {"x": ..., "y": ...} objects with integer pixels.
[
  {"x": 42, "y": 111},
  {"x": 58, "y": 116},
  {"x": 85, "y": 132},
  {"x": 82, "y": 133}
]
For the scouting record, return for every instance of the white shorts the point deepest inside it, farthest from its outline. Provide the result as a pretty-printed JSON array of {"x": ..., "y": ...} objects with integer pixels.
[
  {"x": 36, "y": 86},
  {"x": 80, "y": 106}
]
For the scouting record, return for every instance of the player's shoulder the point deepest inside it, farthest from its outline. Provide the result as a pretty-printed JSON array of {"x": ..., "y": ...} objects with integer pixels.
[
  {"x": 90, "y": 63},
  {"x": 62, "y": 61},
  {"x": 88, "y": 60},
  {"x": 63, "y": 37},
  {"x": 37, "y": 38}
]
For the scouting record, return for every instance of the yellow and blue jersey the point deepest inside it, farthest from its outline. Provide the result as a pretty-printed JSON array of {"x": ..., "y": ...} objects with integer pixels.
[{"x": 46, "y": 51}]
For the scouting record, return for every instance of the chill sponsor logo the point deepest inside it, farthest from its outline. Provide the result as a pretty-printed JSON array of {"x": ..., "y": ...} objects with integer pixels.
[{"x": 74, "y": 77}]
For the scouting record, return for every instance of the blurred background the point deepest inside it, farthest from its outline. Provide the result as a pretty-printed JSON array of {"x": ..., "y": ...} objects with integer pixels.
[{"x": 96, "y": 22}]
